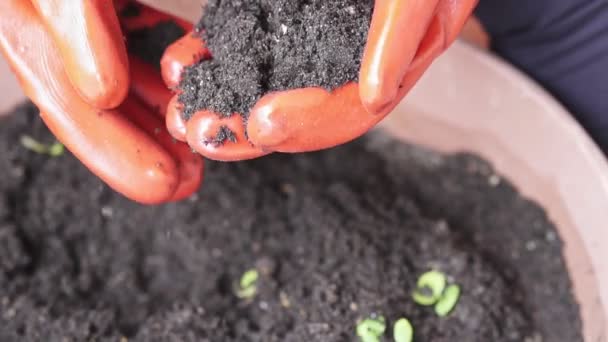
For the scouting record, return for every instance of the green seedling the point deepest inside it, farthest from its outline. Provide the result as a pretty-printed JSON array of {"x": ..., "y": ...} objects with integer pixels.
[
  {"x": 403, "y": 331},
  {"x": 371, "y": 329},
  {"x": 54, "y": 150},
  {"x": 448, "y": 300},
  {"x": 248, "y": 284},
  {"x": 430, "y": 287}
]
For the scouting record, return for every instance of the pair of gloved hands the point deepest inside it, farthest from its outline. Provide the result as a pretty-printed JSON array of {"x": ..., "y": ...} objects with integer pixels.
[{"x": 108, "y": 107}]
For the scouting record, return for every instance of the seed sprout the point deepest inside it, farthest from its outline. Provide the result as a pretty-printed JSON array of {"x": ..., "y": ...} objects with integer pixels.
[
  {"x": 403, "y": 331},
  {"x": 248, "y": 284},
  {"x": 448, "y": 300},
  {"x": 54, "y": 150},
  {"x": 430, "y": 287},
  {"x": 371, "y": 329}
]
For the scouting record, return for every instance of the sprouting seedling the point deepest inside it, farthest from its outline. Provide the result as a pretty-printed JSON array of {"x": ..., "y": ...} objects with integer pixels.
[
  {"x": 448, "y": 300},
  {"x": 403, "y": 331},
  {"x": 430, "y": 287},
  {"x": 371, "y": 329},
  {"x": 54, "y": 150},
  {"x": 248, "y": 284}
]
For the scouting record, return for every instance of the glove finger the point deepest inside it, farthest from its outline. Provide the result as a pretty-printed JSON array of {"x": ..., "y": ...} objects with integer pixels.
[
  {"x": 148, "y": 86},
  {"x": 152, "y": 100},
  {"x": 395, "y": 33},
  {"x": 443, "y": 30},
  {"x": 113, "y": 148},
  {"x": 308, "y": 119},
  {"x": 431, "y": 46},
  {"x": 189, "y": 165},
  {"x": 453, "y": 16},
  {"x": 90, "y": 42},
  {"x": 187, "y": 51},
  {"x": 220, "y": 138},
  {"x": 176, "y": 125}
]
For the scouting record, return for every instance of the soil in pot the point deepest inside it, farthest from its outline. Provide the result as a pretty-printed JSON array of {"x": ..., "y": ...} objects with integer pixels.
[
  {"x": 335, "y": 236},
  {"x": 260, "y": 46}
]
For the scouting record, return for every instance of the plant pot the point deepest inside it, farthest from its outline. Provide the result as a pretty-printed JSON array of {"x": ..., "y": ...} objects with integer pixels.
[
  {"x": 488, "y": 108},
  {"x": 471, "y": 101}
]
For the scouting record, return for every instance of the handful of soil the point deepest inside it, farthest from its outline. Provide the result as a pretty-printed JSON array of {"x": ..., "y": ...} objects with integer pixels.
[{"x": 260, "y": 46}]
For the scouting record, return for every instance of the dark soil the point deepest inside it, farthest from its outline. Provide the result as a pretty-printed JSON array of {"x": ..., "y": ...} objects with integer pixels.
[
  {"x": 149, "y": 44},
  {"x": 260, "y": 46},
  {"x": 336, "y": 235}
]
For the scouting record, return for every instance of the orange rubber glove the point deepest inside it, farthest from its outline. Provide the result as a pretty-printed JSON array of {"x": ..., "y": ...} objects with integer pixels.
[
  {"x": 71, "y": 60},
  {"x": 405, "y": 37}
]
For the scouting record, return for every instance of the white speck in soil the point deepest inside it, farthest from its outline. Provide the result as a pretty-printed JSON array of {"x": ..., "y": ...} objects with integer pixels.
[
  {"x": 107, "y": 212},
  {"x": 287, "y": 188},
  {"x": 531, "y": 245},
  {"x": 550, "y": 236},
  {"x": 316, "y": 328},
  {"x": 284, "y": 300},
  {"x": 442, "y": 226},
  {"x": 514, "y": 335},
  {"x": 534, "y": 338},
  {"x": 17, "y": 171},
  {"x": 494, "y": 180},
  {"x": 263, "y": 306},
  {"x": 10, "y": 313}
]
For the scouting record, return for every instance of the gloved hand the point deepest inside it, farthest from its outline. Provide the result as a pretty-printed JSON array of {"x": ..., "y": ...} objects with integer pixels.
[
  {"x": 71, "y": 60},
  {"x": 405, "y": 37}
]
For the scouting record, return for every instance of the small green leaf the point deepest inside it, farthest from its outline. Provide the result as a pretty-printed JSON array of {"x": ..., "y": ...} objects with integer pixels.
[
  {"x": 32, "y": 144},
  {"x": 448, "y": 301},
  {"x": 248, "y": 284},
  {"x": 56, "y": 149},
  {"x": 403, "y": 331},
  {"x": 249, "y": 278},
  {"x": 430, "y": 288},
  {"x": 371, "y": 329}
]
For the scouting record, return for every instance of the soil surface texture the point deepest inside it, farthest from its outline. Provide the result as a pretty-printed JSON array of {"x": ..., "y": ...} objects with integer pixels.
[
  {"x": 261, "y": 46},
  {"x": 336, "y": 236}
]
